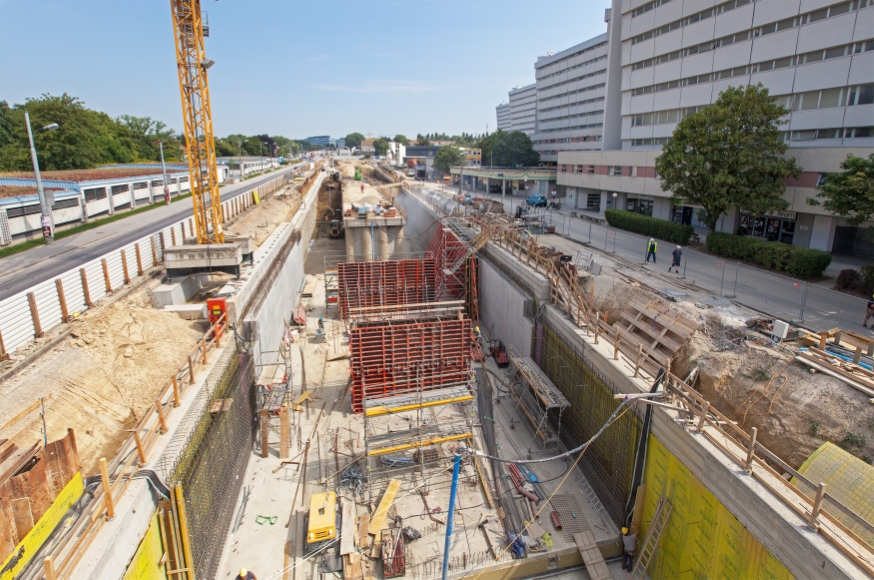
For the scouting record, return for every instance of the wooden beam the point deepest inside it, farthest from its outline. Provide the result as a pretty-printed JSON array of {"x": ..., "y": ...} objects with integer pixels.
[
  {"x": 106, "y": 279},
  {"x": 377, "y": 522},
  {"x": 49, "y": 568},
  {"x": 283, "y": 432},
  {"x": 107, "y": 489},
  {"x": 154, "y": 250},
  {"x": 139, "y": 259},
  {"x": 65, "y": 315},
  {"x": 265, "y": 431},
  {"x": 34, "y": 314},
  {"x": 124, "y": 267},
  {"x": 347, "y": 530}
]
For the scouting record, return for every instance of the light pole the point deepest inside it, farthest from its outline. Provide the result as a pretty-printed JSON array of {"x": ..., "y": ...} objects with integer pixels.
[
  {"x": 164, "y": 172},
  {"x": 48, "y": 228}
]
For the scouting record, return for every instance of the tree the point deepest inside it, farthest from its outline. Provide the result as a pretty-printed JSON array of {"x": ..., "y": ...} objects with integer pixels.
[
  {"x": 510, "y": 149},
  {"x": 402, "y": 139},
  {"x": 850, "y": 194},
  {"x": 447, "y": 157},
  {"x": 422, "y": 142},
  {"x": 729, "y": 155},
  {"x": 380, "y": 146},
  {"x": 353, "y": 140}
]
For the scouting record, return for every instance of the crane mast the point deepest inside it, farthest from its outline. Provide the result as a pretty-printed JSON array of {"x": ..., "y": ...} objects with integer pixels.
[{"x": 197, "y": 117}]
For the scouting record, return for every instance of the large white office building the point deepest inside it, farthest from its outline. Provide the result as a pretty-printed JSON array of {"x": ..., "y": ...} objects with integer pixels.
[
  {"x": 571, "y": 95},
  {"x": 673, "y": 57},
  {"x": 502, "y": 111},
  {"x": 523, "y": 102}
]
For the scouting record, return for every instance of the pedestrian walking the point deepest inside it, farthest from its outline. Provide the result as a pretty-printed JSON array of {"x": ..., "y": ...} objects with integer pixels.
[
  {"x": 869, "y": 312},
  {"x": 629, "y": 544},
  {"x": 676, "y": 255},
  {"x": 651, "y": 248},
  {"x": 245, "y": 575}
]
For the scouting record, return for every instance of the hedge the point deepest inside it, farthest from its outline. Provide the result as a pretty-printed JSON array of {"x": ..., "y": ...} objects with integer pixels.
[
  {"x": 795, "y": 261},
  {"x": 648, "y": 226}
]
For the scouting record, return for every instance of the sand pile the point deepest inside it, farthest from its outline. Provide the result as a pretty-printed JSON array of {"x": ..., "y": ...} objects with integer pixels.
[
  {"x": 262, "y": 219},
  {"x": 102, "y": 378}
]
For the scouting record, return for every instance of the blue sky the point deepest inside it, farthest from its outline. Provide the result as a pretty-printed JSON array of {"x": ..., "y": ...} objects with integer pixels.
[{"x": 294, "y": 68}]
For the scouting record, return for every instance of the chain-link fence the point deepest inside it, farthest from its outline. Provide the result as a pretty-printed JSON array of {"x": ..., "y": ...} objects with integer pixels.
[
  {"x": 211, "y": 467},
  {"x": 610, "y": 457}
]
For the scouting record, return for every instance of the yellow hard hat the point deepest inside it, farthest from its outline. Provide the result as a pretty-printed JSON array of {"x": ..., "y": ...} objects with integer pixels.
[
  {"x": 624, "y": 531},
  {"x": 243, "y": 571}
]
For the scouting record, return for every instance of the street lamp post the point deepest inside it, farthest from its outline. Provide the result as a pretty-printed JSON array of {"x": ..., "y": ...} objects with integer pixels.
[
  {"x": 164, "y": 172},
  {"x": 48, "y": 227}
]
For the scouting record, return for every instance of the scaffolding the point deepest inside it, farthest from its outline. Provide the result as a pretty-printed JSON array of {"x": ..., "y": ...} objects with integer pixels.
[
  {"x": 538, "y": 399},
  {"x": 386, "y": 283}
]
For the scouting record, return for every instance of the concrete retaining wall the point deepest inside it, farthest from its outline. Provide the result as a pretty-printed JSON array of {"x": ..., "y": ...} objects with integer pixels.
[{"x": 502, "y": 310}]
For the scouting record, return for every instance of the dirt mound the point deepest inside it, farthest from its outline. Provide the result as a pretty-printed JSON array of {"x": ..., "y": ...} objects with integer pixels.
[
  {"x": 262, "y": 219},
  {"x": 103, "y": 377},
  {"x": 760, "y": 385},
  {"x": 612, "y": 294}
]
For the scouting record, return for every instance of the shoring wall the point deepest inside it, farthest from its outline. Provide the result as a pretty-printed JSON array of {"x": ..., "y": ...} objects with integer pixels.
[
  {"x": 146, "y": 564},
  {"x": 702, "y": 539},
  {"x": 501, "y": 309},
  {"x": 611, "y": 457},
  {"x": 420, "y": 226}
]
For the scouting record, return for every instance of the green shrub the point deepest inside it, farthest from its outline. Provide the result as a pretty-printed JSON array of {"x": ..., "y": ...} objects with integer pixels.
[
  {"x": 648, "y": 226},
  {"x": 795, "y": 261},
  {"x": 807, "y": 263},
  {"x": 849, "y": 279}
]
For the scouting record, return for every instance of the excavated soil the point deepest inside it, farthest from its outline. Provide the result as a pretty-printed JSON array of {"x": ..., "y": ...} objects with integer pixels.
[
  {"x": 747, "y": 378},
  {"x": 101, "y": 379},
  {"x": 261, "y": 220}
]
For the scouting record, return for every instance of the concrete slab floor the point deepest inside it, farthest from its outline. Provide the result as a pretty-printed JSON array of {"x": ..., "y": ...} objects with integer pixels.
[{"x": 260, "y": 543}]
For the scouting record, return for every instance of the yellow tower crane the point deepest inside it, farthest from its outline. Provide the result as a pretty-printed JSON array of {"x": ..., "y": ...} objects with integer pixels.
[{"x": 197, "y": 117}]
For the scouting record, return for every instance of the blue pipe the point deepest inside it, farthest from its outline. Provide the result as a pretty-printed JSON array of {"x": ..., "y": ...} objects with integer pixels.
[{"x": 450, "y": 515}]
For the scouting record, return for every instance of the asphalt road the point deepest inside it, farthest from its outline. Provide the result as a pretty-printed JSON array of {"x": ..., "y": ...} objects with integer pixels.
[
  {"x": 24, "y": 270},
  {"x": 813, "y": 306}
]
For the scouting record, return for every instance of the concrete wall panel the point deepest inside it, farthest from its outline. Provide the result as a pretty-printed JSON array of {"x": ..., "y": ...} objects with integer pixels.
[{"x": 502, "y": 314}]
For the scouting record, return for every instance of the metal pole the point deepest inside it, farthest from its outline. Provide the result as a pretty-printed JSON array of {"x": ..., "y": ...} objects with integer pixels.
[
  {"x": 450, "y": 515},
  {"x": 614, "y": 241},
  {"x": 803, "y": 300},
  {"x": 734, "y": 292},
  {"x": 722, "y": 284},
  {"x": 590, "y": 232},
  {"x": 607, "y": 233},
  {"x": 685, "y": 263},
  {"x": 48, "y": 228},
  {"x": 164, "y": 172}
]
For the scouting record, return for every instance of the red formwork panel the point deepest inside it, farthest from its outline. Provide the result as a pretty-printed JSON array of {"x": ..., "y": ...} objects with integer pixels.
[
  {"x": 446, "y": 249},
  {"x": 386, "y": 283},
  {"x": 394, "y": 359}
]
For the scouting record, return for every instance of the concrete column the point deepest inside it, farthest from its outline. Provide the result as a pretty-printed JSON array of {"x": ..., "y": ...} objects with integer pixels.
[
  {"x": 357, "y": 238},
  {"x": 350, "y": 243},
  {"x": 383, "y": 252},
  {"x": 366, "y": 244}
]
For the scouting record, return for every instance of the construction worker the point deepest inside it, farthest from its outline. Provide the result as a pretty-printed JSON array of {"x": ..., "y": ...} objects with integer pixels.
[
  {"x": 676, "y": 255},
  {"x": 629, "y": 544},
  {"x": 869, "y": 312},
  {"x": 245, "y": 575},
  {"x": 651, "y": 248}
]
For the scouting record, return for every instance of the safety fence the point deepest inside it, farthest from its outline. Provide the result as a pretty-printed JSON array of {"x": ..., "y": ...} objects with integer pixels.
[{"x": 33, "y": 312}]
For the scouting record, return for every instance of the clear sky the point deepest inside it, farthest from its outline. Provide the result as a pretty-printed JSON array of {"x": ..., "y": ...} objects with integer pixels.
[{"x": 291, "y": 67}]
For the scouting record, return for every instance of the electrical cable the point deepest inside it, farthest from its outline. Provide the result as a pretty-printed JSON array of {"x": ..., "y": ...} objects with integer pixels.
[{"x": 625, "y": 403}]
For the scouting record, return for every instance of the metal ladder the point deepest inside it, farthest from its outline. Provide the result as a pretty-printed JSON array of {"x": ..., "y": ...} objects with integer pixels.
[{"x": 651, "y": 543}]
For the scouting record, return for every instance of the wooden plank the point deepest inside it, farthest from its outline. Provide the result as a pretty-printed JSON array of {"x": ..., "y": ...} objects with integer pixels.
[
  {"x": 303, "y": 397},
  {"x": 347, "y": 527},
  {"x": 637, "y": 515},
  {"x": 645, "y": 326},
  {"x": 22, "y": 516},
  {"x": 830, "y": 370},
  {"x": 594, "y": 560},
  {"x": 846, "y": 365},
  {"x": 265, "y": 432},
  {"x": 352, "y": 567},
  {"x": 680, "y": 324},
  {"x": 363, "y": 526},
  {"x": 377, "y": 522}
]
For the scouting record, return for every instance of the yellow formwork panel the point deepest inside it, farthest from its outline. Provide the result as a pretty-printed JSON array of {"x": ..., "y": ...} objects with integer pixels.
[
  {"x": 146, "y": 563},
  {"x": 702, "y": 539},
  {"x": 847, "y": 478},
  {"x": 37, "y": 536}
]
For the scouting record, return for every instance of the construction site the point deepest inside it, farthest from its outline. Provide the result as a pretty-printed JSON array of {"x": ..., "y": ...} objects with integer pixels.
[
  {"x": 350, "y": 374},
  {"x": 403, "y": 386}
]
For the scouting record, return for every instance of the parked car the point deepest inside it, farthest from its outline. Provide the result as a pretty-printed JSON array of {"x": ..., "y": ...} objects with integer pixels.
[{"x": 536, "y": 200}]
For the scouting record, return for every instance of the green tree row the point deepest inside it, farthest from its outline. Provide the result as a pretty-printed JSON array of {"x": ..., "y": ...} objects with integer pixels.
[{"x": 87, "y": 138}]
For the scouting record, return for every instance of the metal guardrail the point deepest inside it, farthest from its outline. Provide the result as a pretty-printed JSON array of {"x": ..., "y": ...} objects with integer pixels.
[{"x": 528, "y": 173}]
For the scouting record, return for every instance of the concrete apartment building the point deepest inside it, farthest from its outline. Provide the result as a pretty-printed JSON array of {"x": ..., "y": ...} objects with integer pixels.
[
  {"x": 675, "y": 56},
  {"x": 523, "y": 103},
  {"x": 571, "y": 94},
  {"x": 503, "y": 111}
]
